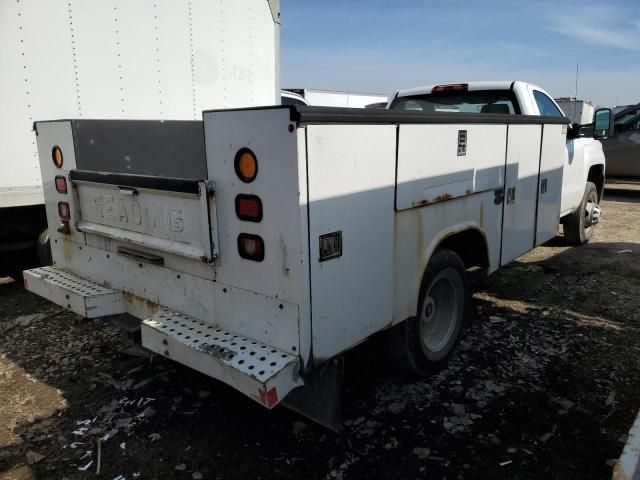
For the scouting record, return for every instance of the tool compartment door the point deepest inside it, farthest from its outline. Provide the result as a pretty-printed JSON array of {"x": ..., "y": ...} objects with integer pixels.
[
  {"x": 521, "y": 186},
  {"x": 351, "y": 170},
  {"x": 552, "y": 155},
  {"x": 163, "y": 214}
]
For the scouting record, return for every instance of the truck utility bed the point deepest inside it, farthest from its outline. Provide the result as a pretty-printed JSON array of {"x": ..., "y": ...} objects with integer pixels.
[{"x": 257, "y": 278}]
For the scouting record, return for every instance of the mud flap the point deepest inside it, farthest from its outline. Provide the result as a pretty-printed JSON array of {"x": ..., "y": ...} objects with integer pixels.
[{"x": 320, "y": 399}]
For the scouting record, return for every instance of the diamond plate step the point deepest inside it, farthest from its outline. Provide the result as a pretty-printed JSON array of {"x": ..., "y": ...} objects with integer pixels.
[
  {"x": 264, "y": 373},
  {"x": 71, "y": 291}
]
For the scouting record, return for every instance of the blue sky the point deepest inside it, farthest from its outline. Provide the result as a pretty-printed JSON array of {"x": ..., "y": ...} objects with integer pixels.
[{"x": 380, "y": 46}]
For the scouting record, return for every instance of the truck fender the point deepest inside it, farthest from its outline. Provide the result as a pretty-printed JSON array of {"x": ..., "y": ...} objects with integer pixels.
[{"x": 441, "y": 239}]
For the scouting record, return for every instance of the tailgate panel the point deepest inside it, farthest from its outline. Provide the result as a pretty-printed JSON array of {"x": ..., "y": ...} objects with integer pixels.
[{"x": 174, "y": 216}]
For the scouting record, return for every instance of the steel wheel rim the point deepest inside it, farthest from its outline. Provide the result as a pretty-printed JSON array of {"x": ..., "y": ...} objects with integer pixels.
[
  {"x": 592, "y": 204},
  {"x": 440, "y": 311}
]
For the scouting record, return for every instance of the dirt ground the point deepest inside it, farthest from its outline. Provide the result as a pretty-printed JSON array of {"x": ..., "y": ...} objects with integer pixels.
[{"x": 545, "y": 384}]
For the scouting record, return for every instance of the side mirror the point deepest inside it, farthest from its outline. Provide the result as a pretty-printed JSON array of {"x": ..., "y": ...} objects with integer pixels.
[{"x": 603, "y": 124}]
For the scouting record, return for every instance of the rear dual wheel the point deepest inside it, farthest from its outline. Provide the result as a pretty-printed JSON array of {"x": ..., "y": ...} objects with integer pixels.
[{"x": 423, "y": 344}]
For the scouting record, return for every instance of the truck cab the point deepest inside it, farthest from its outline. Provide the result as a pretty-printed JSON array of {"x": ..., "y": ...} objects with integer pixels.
[{"x": 584, "y": 160}]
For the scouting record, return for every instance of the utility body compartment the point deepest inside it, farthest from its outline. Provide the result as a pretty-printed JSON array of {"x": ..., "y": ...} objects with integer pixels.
[{"x": 352, "y": 205}]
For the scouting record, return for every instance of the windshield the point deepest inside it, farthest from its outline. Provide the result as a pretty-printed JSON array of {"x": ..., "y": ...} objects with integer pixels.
[{"x": 481, "y": 101}]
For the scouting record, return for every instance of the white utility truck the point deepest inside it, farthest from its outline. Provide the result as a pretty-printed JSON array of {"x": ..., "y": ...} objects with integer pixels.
[
  {"x": 583, "y": 158},
  {"x": 260, "y": 244},
  {"x": 118, "y": 59}
]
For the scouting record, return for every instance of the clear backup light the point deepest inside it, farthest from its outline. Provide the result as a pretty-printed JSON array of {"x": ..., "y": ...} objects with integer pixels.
[
  {"x": 64, "y": 211},
  {"x": 251, "y": 247}
]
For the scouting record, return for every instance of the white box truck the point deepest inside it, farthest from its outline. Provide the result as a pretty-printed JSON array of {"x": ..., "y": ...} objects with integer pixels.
[
  {"x": 578, "y": 111},
  {"x": 122, "y": 60}
]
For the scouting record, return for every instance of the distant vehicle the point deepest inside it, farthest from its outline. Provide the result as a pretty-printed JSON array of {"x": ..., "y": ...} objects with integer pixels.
[
  {"x": 622, "y": 149},
  {"x": 578, "y": 111},
  {"x": 290, "y": 98},
  {"x": 584, "y": 161},
  {"x": 330, "y": 98},
  {"x": 378, "y": 105}
]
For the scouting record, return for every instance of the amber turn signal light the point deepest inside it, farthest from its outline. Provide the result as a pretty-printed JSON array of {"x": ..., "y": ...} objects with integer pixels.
[
  {"x": 246, "y": 165},
  {"x": 56, "y": 155}
]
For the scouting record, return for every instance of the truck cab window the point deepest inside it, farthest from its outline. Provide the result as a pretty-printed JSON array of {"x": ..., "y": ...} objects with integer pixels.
[
  {"x": 481, "y": 101},
  {"x": 546, "y": 105}
]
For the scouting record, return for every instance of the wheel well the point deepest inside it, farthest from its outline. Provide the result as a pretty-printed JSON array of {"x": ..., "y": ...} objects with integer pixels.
[
  {"x": 470, "y": 245},
  {"x": 596, "y": 176}
]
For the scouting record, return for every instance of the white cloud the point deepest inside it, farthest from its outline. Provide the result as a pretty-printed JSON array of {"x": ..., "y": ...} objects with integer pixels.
[{"x": 606, "y": 26}]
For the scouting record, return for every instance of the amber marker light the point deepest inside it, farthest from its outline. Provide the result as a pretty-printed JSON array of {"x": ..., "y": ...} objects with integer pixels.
[
  {"x": 246, "y": 165},
  {"x": 56, "y": 155}
]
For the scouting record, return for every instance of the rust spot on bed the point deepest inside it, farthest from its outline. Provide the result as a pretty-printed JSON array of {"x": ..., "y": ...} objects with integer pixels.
[{"x": 145, "y": 305}]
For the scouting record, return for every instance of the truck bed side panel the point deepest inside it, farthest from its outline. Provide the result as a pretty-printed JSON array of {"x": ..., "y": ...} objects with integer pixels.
[
  {"x": 430, "y": 168},
  {"x": 351, "y": 190},
  {"x": 441, "y": 193},
  {"x": 266, "y": 133}
]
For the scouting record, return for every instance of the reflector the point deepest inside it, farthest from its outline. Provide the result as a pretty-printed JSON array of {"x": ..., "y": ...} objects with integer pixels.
[
  {"x": 249, "y": 207},
  {"x": 61, "y": 184}
]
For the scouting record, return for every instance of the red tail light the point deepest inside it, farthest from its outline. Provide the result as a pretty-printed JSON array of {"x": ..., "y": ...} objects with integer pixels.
[
  {"x": 64, "y": 211},
  {"x": 61, "y": 184},
  {"x": 251, "y": 247},
  {"x": 249, "y": 207},
  {"x": 453, "y": 87}
]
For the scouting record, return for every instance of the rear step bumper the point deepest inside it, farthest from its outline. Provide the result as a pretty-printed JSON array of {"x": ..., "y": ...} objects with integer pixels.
[
  {"x": 260, "y": 371},
  {"x": 78, "y": 294}
]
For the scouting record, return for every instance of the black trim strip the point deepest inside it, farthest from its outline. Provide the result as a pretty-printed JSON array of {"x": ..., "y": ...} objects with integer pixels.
[
  {"x": 308, "y": 114},
  {"x": 535, "y": 223},
  {"x": 137, "y": 181},
  {"x": 504, "y": 191}
]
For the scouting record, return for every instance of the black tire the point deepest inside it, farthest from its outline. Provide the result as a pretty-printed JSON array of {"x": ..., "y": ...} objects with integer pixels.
[
  {"x": 578, "y": 227},
  {"x": 423, "y": 345},
  {"x": 44, "y": 249}
]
